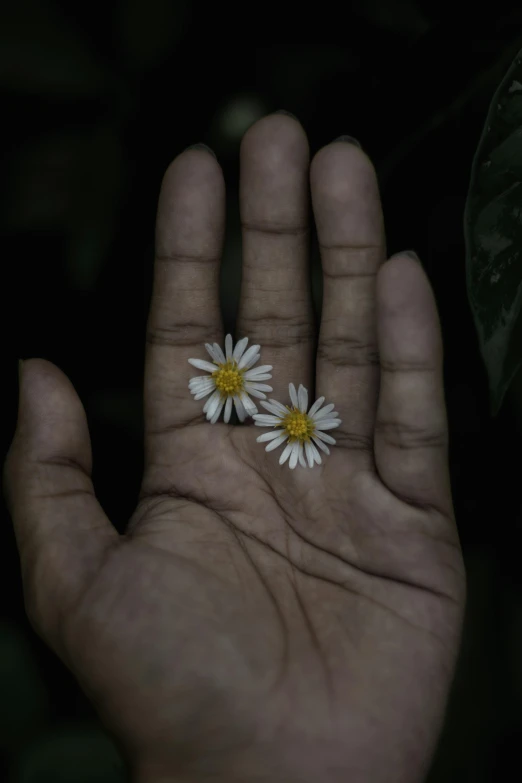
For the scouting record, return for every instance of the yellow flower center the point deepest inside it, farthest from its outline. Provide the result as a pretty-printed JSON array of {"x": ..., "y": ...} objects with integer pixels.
[
  {"x": 298, "y": 425},
  {"x": 228, "y": 379}
]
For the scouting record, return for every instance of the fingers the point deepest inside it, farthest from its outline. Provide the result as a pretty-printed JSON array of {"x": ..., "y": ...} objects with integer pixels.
[
  {"x": 275, "y": 308},
  {"x": 184, "y": 310},
  {"x": 350, "y": 229},
  {"x": 411, "y": 435},
  {"x": 61, "y": 530}
]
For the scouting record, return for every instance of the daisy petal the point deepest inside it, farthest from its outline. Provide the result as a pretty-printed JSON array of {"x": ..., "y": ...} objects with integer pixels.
[
  {"x": 301, "y": 457},
  {"x": 268, "y": 436},
  {"x": 198, "y": 385},
  {"x": 263, "y": 376},
  {"x": 293, "y": 395},
  {"x": 329, "y": 424},
  {"x": 248, "y": 404},
  {"x": 277, "y": 442},
  {"x": 324, "y": 437},
  {"x": 302, "y": 398},
  {"x": 228, "y": 347},
  {"x": 315, "y": 407},
  {"x": 267, "y": 421},
  {"x": 240, "y": 349},
  {"x": 201, "y": 364},
  {"x": 198, "y": 395},
  {"x": 252, "y": 351},
  {"x": 321, "y": 445},
  {"x": 228, "y": 410},
  {"x": 309, "y": 454},
  {"x": 316, "y": 454},
  {"x": 217, "y": 412},
  {"x": 251, "y": 361},
  {"x": 239, "y": 409},
  {"x": 259, "y": 386},
  {"x": 264, "y": 368},
  {"x": 324, "y": 411},
  {"x": 275, "y": 407},
  {"x": 270, "y": 408},
  {"x": 212, "y": 352},
  {"x": 210, "y": 401},
  {"x": 285, "y": 453},
  {"x": 215, "y": 402},
  {"x": 219, "y": 353},
  {"x": 294, "y": 456},
  {"x": 255, "y": 393}
]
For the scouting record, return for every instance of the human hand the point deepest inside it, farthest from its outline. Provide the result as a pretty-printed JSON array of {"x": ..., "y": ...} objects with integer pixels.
[{"x": 257, "y": 623}]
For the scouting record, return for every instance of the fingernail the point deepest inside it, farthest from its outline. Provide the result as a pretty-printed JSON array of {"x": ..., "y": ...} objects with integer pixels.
[
  {"x": 288, "y": 113},
  {"x": 201, "y": 146},
  {"x": 409, "y": 253},
  {"x": 349, "y": 140}
]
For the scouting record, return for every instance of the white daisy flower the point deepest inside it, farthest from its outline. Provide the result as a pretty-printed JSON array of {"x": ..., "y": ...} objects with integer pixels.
[
  {"x": 303, "y": 431},
  {"x": 231, "y": 380}
]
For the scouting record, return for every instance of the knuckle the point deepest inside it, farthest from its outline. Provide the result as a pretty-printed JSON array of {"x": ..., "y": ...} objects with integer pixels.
[
  {"x": 180, "y": 334},
  {"x": 274, "y": 228},
  {"x": 277, "y": 330},
  {"x": 402, "y": 435},
  {"x": 347, "y": 351},
  {"x": 172, "y": 257}
]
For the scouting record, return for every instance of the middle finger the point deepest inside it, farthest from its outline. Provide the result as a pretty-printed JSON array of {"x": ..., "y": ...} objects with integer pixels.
[{"x": 275, "y": 307}]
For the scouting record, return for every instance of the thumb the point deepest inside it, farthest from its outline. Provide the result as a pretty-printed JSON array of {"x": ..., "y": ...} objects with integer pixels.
[{"x": 62, "y": 533}]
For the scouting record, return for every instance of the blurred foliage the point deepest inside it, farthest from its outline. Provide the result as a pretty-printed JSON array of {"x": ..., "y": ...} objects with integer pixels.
[
  {"x": 99, "y": 98},
  {"x": 493, "y": 226}
]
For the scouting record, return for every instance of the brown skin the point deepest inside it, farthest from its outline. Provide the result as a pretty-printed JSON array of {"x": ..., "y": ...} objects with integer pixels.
[{"x": 256, "y": 623}]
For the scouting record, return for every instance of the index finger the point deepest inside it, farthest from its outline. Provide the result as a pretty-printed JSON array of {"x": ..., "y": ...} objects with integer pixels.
[{"x": 185, "y": 309}]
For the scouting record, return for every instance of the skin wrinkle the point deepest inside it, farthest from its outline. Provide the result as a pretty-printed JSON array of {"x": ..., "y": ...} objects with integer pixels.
[
  {"x": 348, "y": 275},
  {"x": 279, "y": 612},
  {"x": 341, "y": 352},
  {"x": 316, "y": 546},
  {"x": 346, "y": 586},
  {"x": 171, "y": 335},
  {"x": 352, "y": 250},
  {"x": 168, "y": 429},
  {"x": 352, "y": 441},
  {"x": 411, "y": 437},
  {"x": 316, "y": 643},
  {"x": 275, "y": 229},
  {"x": 71, "y": 493},
  {"x": 185, "y": 258},
  {"x": 396, "y": 367},
  {"x": 345, "y": 562},
  {"x": 61, "y": 461}
]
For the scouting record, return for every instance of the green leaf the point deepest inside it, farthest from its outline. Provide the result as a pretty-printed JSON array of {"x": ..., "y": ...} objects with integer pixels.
[
  {"x": 81, "y": 754},
  {"x": 493, "y": 233}
]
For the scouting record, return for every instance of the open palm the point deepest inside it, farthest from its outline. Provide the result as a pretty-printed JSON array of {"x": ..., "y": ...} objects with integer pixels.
[{"x": 255, "y": 622}]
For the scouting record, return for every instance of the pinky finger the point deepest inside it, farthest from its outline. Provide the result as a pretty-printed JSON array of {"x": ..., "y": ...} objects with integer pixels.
[{"x": 411, "y": 433}]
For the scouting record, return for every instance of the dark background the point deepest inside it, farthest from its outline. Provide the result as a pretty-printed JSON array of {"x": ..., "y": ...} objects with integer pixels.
[{"x": 97, "y": 99}]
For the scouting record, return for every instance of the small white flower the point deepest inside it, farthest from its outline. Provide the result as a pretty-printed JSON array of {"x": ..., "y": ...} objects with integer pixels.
[
  {"x": 304, "y": 431},
  {"x": 231, "y": 379}
]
